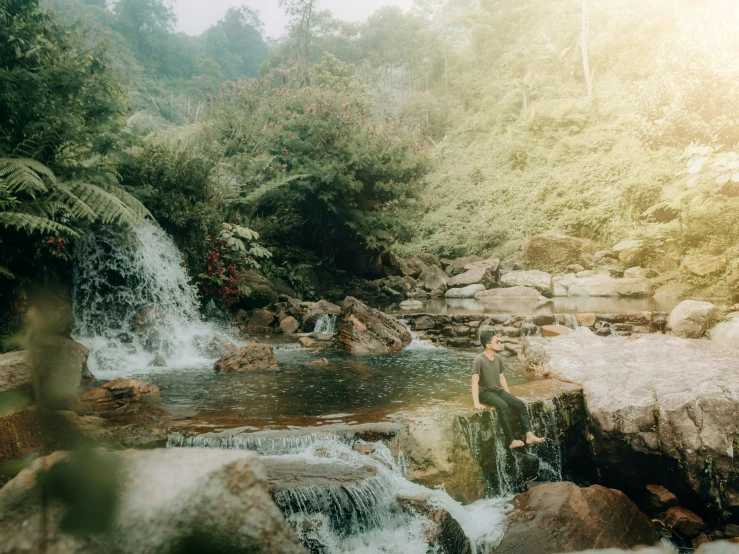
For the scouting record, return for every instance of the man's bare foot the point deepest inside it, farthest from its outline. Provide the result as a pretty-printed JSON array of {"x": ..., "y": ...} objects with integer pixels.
[
  {"x": 515, "y": 444},
  {"x": 533, "y": 439}
]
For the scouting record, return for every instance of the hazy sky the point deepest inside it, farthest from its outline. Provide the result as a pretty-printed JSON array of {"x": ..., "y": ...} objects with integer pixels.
[{"x": 195, "y": 16}]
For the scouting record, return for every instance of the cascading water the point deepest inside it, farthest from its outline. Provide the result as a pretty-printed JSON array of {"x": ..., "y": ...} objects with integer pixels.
[
  {"x": 325, "y": 323},
  {"x": 133, "y": 302},
  {"x": 416, "y": 343},
  {"x": 364, "y": 517}
]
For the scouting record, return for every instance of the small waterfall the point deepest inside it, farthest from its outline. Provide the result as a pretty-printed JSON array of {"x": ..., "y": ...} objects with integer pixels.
[
  {"x": 416, "y": 343},
  {"x": 571, "y": 322},
  {"x": 367, "y": 516},
  {"x": 325, "y": 323},
  {"x": 133, "y": 301}
]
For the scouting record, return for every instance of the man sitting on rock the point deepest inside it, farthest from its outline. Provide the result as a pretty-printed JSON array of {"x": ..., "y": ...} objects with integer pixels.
[{"x": 489, "y": 386}]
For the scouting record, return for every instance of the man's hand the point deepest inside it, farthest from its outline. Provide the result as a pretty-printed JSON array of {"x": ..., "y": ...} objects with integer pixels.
[{"x": 478, "y": 407}]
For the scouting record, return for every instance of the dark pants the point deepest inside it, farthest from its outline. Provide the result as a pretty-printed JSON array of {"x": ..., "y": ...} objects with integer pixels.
[{"x": 504, "y": 402}]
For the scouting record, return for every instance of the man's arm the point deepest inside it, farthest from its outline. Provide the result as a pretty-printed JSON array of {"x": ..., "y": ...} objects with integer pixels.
[
  {"x": 476, "y": 392},
  {"x": 504, "y": 383}
]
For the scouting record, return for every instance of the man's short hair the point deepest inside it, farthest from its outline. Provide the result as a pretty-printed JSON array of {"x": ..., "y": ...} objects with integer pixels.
[{"x": 486, "y": 336}]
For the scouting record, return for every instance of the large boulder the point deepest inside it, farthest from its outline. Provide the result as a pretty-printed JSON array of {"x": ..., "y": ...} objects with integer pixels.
[
  {"x": 561, "y": 517},
  {"x": 534, "y": 278},
  {"x": 464, "y": 292},
  {"x": 16, "y": 372},
  {"x": 692, "y": 318},
  {"x": 664, "y": 410},
  {"x": 253, "y": 356},
  {"x": 553, "y": 251},
  {"x": 726, "y": 333},
  {"x": 168, "y": 499},
  {"x": 475, "y": 275},
  {"x": 456, "y": 266},
  {"x": 526, "y": 293},
  {"x": 364, "y": 330},
  {"x": 261, "y": 290},
  {"x": 433, "y": 277},
  {"x": 118, "y": 395},
  {"x": 602, "y": 284},
  {"x": 260, "y": 321},
  {"x": 412, "y": 267},
  {"x": 318, "y": 309},
  {"x": 703, "y": 265}
]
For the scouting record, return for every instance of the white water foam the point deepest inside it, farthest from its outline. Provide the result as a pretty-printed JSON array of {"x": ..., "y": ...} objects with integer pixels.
[{"x": 119, "y": 273}]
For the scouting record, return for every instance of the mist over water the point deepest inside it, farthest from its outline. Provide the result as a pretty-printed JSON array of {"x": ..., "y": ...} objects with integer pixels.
[{"x": 133, "y": 301}]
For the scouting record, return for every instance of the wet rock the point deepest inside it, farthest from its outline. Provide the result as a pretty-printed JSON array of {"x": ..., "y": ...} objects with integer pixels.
[
  {"x": 562, "y": 517},
  {"x": 158, "y": 361},
  {"x": 306, "y": 342},
  {"x": 646, "y": 415},
  {"x": 286, "y": 473},
  {"x": 447, "y": 536},
  {"x": 433, "y": 277},
  {"x": 251, "y": 357},
  {"x": 16, "y": 372},
  {"x": 216, "y": 346},
  {"x": 424, "y": 323},
  {"x": 437, "y": 293},
  {"x": 658, "y": 499},
  {"x": 411, "y": 305},
  {"x": 260, "y": 321},
  {"x": 535, "y": 279},
  {"x": 365, "y": 448},
  {"x": 544, "y": 319},
  {"x": 553, "y": 251},
  {"x": 464, "y": 292},
  {"x": 684, "y": 522},
  {"x": 171, "y": 497},
  {"x": 318, "y": 309},
  {"x": 718, "y": 547},
  {"x": 692, "y": 318},
  {"x": 362, "y": 329},
  {"x": 322, "y": 337},
  {"x": 726, "y": 333},
  {"x": 146, "y": 318},
  {"x": 118, "y": 395},
  {"x": 703, "y": 265},
  {"x": 289, "y": 325},
  {"x": 586, "y": 319},
  {"x": 554, "y": 331},
  {"x": 419, "y": 293}
]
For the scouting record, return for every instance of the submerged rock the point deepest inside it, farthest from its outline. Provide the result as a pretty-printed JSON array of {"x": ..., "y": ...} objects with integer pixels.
[
  {"x": 363, "y": 330},
  {"x": 168, "y": 498},
  {"x": 252, "y": 357},
  {"x": 447, "y": 536},
  {"x": 561, "y": 517},
  {"x": 663, "y": 409}
]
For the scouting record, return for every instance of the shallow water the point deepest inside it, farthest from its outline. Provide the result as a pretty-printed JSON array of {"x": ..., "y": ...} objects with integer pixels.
[
  {"x": 558, "y": 305},
  {"x": 349, "y": 388}
]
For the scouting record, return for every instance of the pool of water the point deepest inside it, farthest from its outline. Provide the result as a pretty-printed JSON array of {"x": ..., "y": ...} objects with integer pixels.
[
  {"x": 558, "y": 305},
  {"x": 349, "y": 388}
]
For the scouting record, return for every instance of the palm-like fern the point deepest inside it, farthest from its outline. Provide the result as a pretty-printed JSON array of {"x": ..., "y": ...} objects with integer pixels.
[{"x": 32, "y": 200}]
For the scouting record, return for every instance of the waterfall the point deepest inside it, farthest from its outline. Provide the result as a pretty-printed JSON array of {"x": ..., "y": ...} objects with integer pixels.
[
  {"x": 325, "y": 323},
  {"x": 367, "y": 516},
  {"x": 133, "y": 301},
  {"x": 571, "y": 322},
  {"x": 416, "y": 343}
]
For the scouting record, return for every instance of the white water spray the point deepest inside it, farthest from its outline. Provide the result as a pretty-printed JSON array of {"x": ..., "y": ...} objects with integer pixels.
[
  {"x": 133, "y": 301},
  {"x": 325, "y": 323}
]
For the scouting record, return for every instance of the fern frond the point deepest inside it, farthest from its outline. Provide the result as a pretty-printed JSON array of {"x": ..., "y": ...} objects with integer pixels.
[
  {"x": 24, "y": 175},
  {"x": 5, "y": 272},
  {"x": 108, "y": 208},
  {"x": 34, "y": 224},
  {"x": 77, "y": 208},
  {"x": 257, "y": 193},
  {"x": 128, "y": 199}
]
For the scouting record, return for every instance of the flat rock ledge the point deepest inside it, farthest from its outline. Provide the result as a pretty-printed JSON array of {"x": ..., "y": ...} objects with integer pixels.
[{"x": 661, "y": 409}]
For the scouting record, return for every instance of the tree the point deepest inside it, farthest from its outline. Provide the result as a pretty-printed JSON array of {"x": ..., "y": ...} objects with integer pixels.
[
  {"x": 584, "y": 44},
  {"x": 236, "y": 43},
  {"x": 302, "y": 13}
]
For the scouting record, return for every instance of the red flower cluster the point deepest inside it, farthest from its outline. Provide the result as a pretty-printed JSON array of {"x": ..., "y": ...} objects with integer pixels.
[
  {"x": 56, "y": 244},
  {"x": 221, "y": 280}
]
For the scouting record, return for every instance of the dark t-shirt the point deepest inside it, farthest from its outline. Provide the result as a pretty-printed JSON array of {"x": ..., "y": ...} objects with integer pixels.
[{"x": 489, "y": 371}]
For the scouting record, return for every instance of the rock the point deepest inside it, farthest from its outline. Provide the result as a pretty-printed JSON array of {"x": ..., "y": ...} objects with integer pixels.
[
  {"x": 433, "y": 277},
  {"x": 553, "y": 251},
  {"x": 447, "y": 536},
  {"x": 554, "y": 331},
  {"x": 562, "y": 517},
  {"x": 658, "y": 499},
  {"x": 362, "y": 329},
  {"x": 170, "y": 498},
  {"x": 639, "y": 273},
  {"x": 731, "y": 530},
  {"x": 544, "y": 319},
  {"x": 289, "y": 325},
  {"x": 562, "y": 284},
  {"x": 703, "y": 265},
  {"x": 684, "y": 522},
  {"x": 260, "y": 321},
  {"x": 602, "y": 284},
  {"x": 418, "y": 293},
  {"x": 455, "y": 267},
  {"x": 261, "y": 290},
  {"x": 674, "y": 290},
  {"x": 117, "y": 396},
  {"x": 16, "y": 372},
  {"x": 631, "y": 252},
  {"x": 158, "y": 361},
  {"x": 306, "y": 342},
  {"x": 61, "y": 367},
  {"x": 428, "y": 259},
  {"x": 411, "y": 305},
  {"x": 216, "y": 346},
  {"x": 605, "y": 254},
  {"x": 437, "y": 293},
  {"x": 699, "y": 540},
  {"x": 726, "y": 333},
  {"x": 574, "y": 268},
  {"x": 493, "y": 264},
  {"x": 289, "y": 473},
  {"x": 647, "y": 415},
  {"x": 390, "y": 263},
  {"x": 511, "y": 292},
  {"x": 322, "y": 337},
  {"x": 692, "y": 318},
  {"x": 412, "y": 267},
  {"x": 424, "y": 323},
  {"x": 252, "y": 357},
  {"x": 514, "y": 262},
  {"x": 586, "y": 319},
  {"x": 464, "y": 292},
  {"x": 535, "y": 279},
  {"x": 318, "y": 309},
  {"x": 437, "y": 453},
  {"x": 146, "y": 318},
  {"x": 474, "y": 276}
]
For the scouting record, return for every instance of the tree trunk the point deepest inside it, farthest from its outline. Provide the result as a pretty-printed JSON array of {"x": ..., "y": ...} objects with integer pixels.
[{"x": 584, "y": 43}]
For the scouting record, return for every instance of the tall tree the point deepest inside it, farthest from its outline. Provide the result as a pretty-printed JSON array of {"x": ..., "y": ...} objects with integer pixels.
[{"x": 302, "y": 14}]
